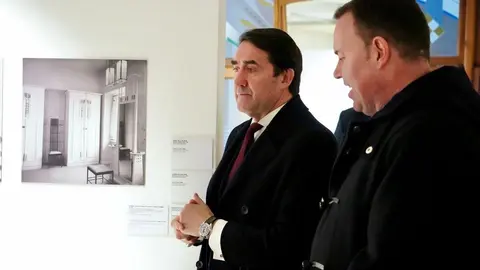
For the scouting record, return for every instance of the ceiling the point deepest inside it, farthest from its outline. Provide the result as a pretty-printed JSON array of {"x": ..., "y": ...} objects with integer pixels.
[
  {"x": 312, "y": 11},
  {"x": 313, "y": 16}
]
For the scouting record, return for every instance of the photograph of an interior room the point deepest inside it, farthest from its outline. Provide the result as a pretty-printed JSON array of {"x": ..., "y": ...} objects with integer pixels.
[{"x": 84, "y": 121}]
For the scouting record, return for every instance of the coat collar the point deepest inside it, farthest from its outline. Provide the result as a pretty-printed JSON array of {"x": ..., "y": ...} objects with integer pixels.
[{"x": 429, "y": 89}]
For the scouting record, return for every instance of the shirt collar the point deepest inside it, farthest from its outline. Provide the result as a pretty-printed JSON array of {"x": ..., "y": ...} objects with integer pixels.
[{"x": 265, "y": 121}]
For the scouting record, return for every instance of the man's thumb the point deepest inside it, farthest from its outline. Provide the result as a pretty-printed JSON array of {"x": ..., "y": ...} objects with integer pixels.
[{"x": 197, "y": 199}]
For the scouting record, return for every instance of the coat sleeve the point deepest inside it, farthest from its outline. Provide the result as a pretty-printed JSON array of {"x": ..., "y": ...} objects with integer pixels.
[
  {"x": 298, "y": 212},
  {"x": 400, "y": 232}
]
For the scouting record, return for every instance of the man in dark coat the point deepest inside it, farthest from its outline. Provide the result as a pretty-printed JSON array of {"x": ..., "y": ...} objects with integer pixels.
[
  {"x": 261, "y": 213},
  {"x": 401, "y": 189},
  {"x": 344, "y": 120}
]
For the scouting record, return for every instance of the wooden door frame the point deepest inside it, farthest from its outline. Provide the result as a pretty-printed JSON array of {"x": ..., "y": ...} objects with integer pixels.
[
  {"x": 280, "y": 12},
  {"x": 468, "y": 38},
  {"x": 476, "y": 78}
]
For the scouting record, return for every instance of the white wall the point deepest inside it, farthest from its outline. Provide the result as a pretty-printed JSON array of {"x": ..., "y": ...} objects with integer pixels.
[
  {"x": 324, "y": 95},
  {"x": 232, "y": 117},
  {"x": 57, "y": 227}
]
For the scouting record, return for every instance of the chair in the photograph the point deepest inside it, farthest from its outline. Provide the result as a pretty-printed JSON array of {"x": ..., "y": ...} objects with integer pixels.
[{"x": 99, "y": 171}]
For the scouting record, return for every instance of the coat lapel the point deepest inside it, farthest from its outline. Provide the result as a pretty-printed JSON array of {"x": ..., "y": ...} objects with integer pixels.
[
  {"x": 220, "y": 177},
  {"x": 260, "y": 154}
]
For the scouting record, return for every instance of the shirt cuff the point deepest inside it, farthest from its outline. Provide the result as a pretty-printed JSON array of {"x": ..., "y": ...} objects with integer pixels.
[{"x": 215, "y": 237}]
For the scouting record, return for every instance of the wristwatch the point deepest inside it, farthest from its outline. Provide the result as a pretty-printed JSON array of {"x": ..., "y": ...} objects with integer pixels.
[{"x": 206, "y": 227}]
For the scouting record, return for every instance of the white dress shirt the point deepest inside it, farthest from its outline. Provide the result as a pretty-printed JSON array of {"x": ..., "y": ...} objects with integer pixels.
[{"x": 215, "y": 236}]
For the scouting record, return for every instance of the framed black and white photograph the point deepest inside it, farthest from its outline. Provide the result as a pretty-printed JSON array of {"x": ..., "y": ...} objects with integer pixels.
[{"x": 84, "y": 121}]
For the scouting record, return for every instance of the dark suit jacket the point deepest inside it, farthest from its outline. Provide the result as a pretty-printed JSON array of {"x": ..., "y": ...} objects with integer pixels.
[
  {"x": 272, "y": 203},
  {"x": 346, "y": 118}
]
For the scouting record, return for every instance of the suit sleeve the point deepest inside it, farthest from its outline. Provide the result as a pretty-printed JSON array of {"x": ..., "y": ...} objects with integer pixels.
[
  {"x": 400, "y": 223},
  {"x": 294, "y": 225}
]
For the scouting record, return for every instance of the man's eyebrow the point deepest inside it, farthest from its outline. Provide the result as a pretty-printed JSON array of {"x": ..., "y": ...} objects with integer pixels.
[
  {"x": 250, "y": 62},
  {"x": 246, "y": 62}
]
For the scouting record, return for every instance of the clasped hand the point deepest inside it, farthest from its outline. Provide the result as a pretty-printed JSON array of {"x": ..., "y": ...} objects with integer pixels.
[{"x": 187, "y": 224}]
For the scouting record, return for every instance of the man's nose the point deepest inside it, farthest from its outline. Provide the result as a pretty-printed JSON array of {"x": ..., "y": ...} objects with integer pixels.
[
  {"x": 337, "y": 73},
  {"x": 240, "y": 79}
]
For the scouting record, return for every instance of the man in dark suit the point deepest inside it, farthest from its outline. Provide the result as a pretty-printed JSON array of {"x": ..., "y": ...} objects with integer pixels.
[
  {"x": 347, "y": 117},
  {"x": 401, "y": 193},
  {"x": 262, "y": 203}
]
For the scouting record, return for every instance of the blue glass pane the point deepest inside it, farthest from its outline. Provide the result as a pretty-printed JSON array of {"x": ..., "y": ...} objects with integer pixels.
[
  {"x": 230, "y": 48},
  {"x": 443, "y": 19},
  {"x": 243, "y": 15}
]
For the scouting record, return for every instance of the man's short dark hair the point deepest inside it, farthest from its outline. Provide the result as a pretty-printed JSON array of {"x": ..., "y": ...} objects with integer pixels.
[
  {"x": 401, "y": 22},
  {"x": 283, "y": 52}
]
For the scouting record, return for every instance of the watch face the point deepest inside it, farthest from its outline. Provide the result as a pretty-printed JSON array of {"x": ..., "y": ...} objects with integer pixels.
[{"x": 204, "y": 229}]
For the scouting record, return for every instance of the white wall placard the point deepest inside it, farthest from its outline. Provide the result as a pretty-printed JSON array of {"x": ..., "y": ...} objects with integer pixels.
[
  {"x": 187, "y": 182},
  {"x": 192, "y": 167},
  {"x": 148, "y": 220},
  {"x": 192, "y": 153}
]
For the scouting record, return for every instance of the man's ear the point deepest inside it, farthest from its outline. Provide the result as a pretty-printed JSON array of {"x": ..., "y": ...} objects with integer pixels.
[
  {"x": 287, "y": 77},
  {"x": 381, "y": 51}
]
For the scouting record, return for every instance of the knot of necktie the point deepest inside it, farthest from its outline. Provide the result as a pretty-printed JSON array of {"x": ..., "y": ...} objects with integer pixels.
[{"x": 254, "y": 127}]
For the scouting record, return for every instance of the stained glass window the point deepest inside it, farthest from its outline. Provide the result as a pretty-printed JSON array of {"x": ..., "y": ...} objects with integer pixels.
[{"x": 443, "y": 20}]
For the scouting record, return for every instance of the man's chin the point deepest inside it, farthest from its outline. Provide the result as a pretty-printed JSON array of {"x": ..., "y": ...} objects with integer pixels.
[
  {"x": 242, "y": 108},
  {"x": 357, "y": 107}
]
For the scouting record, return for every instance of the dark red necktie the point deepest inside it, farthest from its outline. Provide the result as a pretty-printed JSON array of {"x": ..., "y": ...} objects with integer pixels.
[{"x": 247, "y": 141}]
